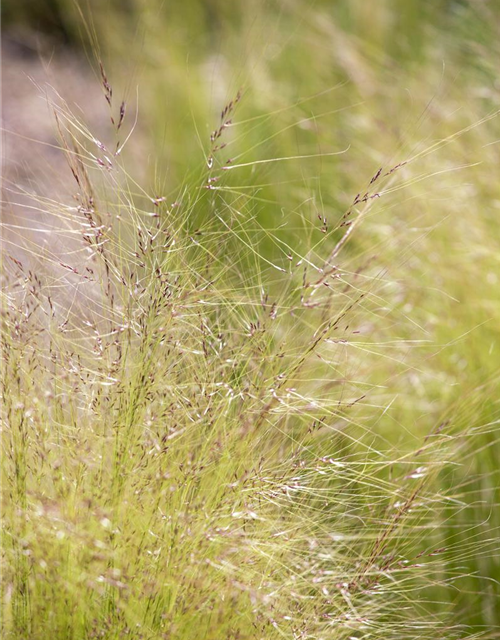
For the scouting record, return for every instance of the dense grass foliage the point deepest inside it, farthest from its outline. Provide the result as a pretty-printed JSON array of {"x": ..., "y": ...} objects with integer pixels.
[{"x": 253, "y": 394}]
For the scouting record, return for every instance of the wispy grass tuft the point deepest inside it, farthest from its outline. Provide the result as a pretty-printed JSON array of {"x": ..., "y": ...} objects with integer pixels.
[{"x": 206, "y": 428}]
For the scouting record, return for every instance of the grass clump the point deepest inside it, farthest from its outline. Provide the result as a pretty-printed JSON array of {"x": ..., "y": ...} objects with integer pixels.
[
  {"x": 234, "y": 409},
  {"x": 188, "y": 447}
]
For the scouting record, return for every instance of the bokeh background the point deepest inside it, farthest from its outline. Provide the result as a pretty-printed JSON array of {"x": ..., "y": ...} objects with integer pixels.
[{"x": 376, "y": 64}]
